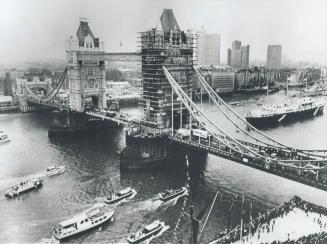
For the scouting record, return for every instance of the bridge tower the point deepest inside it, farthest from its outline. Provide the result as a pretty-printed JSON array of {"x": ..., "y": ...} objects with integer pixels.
[
  {"x": 86, "y": 69},
  {"x": 173, "y": 48}
]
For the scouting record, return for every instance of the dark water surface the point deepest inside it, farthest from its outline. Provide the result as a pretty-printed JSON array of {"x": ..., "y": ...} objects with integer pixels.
[{"x": 92, "y": 172}]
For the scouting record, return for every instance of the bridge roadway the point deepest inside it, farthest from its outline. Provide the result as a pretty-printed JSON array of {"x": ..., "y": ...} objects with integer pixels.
[
  {"x": 308, "y": 177},
  {"x": 120, "y": 119}
]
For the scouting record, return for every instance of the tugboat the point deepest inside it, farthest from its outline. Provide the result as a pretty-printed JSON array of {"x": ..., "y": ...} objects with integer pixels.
[
  {"x": 146, "y": 233},
  {"x": 4, "y": 137},
  {"x": 277, "y": 113},
  {"x": 121, "y": 195},
  {"x": 24, "y": 187},
  {"x": 55, "y": 170},
  {"x": 170, "y": 194},
  {"x": 83, "y": 222}
]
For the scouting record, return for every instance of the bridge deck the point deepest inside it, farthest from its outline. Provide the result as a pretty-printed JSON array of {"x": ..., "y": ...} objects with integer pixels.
[
  {"x": 117, "y": 119},
  {"x": 307, "y": 178}
]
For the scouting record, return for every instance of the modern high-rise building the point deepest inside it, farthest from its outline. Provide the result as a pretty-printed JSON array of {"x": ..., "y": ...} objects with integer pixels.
[
  {"x": 274, "y": 56},
  {"x": 239, "y": 55},
  {"x": 208, "y": 48},
  {"x": 245, "y": 56},
  {"x": 229, "y": 56},
  {"x": 236, "y": 58},
  {"x": 236, "y": 44}
]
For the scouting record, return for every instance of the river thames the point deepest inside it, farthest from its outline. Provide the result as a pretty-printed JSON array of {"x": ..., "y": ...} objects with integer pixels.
[{"x": 93, "y": 172}]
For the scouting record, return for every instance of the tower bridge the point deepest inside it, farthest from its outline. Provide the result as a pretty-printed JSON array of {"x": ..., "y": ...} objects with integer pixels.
[{"x": 168, "y": 71}]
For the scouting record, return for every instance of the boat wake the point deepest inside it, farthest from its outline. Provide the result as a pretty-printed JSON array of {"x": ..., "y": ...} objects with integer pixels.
[
  {"x": 164, "y": 229},
  {"x": 50, "y": 240},
  {"x": 147, "y": 205},
  {"x": 155, "y": 203}
]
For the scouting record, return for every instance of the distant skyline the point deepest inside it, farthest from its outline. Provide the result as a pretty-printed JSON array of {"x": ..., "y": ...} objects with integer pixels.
[{"x": 35, "y": 30}]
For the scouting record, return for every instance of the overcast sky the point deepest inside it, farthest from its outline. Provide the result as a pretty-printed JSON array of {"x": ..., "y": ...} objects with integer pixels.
[{"x": 36, "y": 29}]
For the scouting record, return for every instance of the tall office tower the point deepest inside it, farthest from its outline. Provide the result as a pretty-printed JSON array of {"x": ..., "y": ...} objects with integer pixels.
[
  {"x": 208, "y": 48},
  {"x": 236, "y": 44},
  {"x": 229, "y": 56},
  {"x": 238, "y": 56},
  {"x": 245, "y": 55},
  {"x": 274, "y": 56}
]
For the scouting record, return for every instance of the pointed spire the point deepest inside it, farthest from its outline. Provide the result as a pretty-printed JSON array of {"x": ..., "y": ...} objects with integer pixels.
[{"x": 168, "y": 20}]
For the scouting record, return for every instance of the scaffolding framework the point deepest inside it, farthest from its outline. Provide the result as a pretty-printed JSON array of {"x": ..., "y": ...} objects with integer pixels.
[{"x": 175, "y": 51}]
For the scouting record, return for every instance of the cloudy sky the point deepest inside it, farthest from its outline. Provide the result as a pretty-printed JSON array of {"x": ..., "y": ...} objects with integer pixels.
[{"x": 36, "y": 29}]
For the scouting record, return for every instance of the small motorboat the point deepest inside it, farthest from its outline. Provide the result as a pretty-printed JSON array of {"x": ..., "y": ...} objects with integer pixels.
[
  {"x": 83, "y": 222},
  {"x": 170, "y": 194},
  {"x": 121, "y": 195},
  {"x": 4, "y": 137},
  {"x": 146, "y": 233},
  {"x": 55, "y": 170},
  {"x": 23, "y": 187}
]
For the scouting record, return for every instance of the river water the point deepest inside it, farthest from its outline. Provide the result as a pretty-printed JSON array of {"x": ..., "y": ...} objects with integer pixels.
[{"x": 92, "y": 172}]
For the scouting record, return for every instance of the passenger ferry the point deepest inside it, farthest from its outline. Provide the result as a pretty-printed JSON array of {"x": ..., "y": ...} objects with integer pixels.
[
  {"x": 4, "y": 137},
  {"x": 55, "y": 170},
  {"x": 277, "y": 113},
  {"x": 170, "y": 194},
  {"x": 83, "y": 222},
  {"x": 121, "y": 195},
  {"x": 23, "y": 187},
  {"x": 146, "y": 233}
]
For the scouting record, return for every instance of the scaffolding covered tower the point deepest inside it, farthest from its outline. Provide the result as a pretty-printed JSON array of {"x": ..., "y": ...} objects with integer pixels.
[{"x": 172, "y": 48}]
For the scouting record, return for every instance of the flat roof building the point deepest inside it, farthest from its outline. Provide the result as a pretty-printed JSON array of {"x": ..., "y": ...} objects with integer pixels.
[
  {"x": 238, "y": 56},
  {"x": 274, "y": 56},
  {"x": 208, "y": 48}
]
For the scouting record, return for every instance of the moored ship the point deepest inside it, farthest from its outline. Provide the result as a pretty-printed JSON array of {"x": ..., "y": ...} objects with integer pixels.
[
  {"x": 23, "y": 187},
  {"x": 278, "y": 113},
  {"x": 83, "y": 222}
]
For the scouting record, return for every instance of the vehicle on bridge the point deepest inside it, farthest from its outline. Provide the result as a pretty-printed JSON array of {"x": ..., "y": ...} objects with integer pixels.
[
  {"x": 183, "y": 133},
  {"x": 203, "y": 134}
]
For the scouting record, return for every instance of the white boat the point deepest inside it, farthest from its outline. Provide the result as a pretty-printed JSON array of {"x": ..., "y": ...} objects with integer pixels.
[
  {"x": 147, "y": 232},
  {"x": 23, "y": 187},
  {"x": 83, "y": 222},
  {"x": 55, "y": 170},
  {"x": 121, "y": 195},
  {"x": 170, "y": 194},
  {"x": 4, "y": 137}
]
